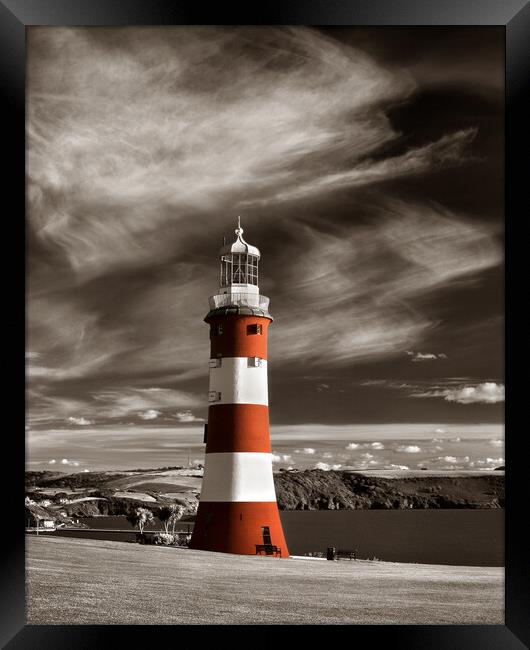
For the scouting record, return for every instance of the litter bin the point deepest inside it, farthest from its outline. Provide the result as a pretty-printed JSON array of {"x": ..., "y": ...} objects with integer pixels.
[{"x": 331, "y": 552}]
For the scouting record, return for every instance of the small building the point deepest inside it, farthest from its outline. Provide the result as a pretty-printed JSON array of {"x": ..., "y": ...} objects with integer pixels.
[{"x": 37, "y": 517}]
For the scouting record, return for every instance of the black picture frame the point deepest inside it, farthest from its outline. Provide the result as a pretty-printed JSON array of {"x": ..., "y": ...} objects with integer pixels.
[{"x": 514, "y": 16}]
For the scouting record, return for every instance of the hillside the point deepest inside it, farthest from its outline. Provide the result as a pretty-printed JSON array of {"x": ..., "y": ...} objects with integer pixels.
[
  {"x": 117, "y": 493},
  {"x": 333, "y": 490}
]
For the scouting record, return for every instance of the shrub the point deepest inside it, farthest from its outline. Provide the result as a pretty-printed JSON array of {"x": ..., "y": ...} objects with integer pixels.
[
  {"x": 163, "y": 539},
  {"x": 182, "y": 540},
  {"x": 168, "y": 539}
]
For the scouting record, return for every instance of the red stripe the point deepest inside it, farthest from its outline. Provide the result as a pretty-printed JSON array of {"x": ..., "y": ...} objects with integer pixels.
[
  {"x": 238, "y": 427},
  {"x": 236, "y": 527},
  {"x": 234, "y": 340}
]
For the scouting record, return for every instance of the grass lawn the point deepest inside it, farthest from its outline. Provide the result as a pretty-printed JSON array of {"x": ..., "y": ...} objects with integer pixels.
[{"x": 80, "y": 581}]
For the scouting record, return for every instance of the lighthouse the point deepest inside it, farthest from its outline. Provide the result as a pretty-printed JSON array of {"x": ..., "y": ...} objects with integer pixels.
[{"x": 237, "y": 510}]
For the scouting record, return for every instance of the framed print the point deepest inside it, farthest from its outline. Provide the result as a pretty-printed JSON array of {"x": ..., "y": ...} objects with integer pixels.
[{"x": 268, "y": 334}]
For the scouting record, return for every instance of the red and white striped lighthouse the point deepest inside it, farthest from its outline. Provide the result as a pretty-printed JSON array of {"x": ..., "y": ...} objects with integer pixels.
[{"x": 237, "y": 508}]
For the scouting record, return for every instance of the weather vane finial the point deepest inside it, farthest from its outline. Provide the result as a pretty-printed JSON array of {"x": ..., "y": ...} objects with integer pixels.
[{"x": 239, "y": 230}]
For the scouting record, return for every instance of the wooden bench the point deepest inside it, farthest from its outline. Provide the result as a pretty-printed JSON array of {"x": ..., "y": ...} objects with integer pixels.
[
  {"x": 268, "y": 549},
  {"x": 346, "y": 553}
]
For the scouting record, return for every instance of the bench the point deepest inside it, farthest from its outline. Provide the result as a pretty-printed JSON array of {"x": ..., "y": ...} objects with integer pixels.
[
  {"x": 346, "y": 553},
  {"x": 268, "y": 549}
]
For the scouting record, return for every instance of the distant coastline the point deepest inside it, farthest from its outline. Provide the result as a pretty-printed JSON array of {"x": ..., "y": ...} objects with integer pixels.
[{"x": 66, "y": 496}]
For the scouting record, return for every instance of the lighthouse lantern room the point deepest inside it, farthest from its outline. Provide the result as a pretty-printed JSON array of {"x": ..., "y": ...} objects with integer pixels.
[{"x": 237, "y": 510}]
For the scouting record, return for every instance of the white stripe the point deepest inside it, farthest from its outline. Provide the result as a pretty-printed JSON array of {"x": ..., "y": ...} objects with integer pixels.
[
  {"x": 237, "y": 383},
  {"x": 238, "y": 476}
]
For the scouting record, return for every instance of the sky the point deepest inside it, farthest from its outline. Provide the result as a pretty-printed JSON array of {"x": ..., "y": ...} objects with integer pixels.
[{"x": 367, "y": 167}]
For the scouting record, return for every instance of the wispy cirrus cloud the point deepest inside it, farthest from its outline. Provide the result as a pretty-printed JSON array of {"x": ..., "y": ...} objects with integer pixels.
[
  {"x": 425, "y": 247},
  {"x": 448, "y": 150},
  {"x": 192, "y": 135},
  {"x": 450, "y": 389},
  {"x": 111, "y": 405},
  {"x": 483, "y": 393}
]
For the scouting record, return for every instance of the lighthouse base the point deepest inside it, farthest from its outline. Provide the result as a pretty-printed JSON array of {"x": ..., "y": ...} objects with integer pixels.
[{"x": 237, "y": 527}]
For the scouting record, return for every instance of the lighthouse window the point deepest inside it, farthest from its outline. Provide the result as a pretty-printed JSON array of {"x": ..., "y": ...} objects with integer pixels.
[
  {"x": 216, "y": 363},
  {"x": 254, "y": 329},
  {"x": 239, "y": 268},
  {"x": 226, "y": 270},
  {"x": 252, "y": 266},
  {"x": 214, "y": 396},
  {"x": 254, "y": 362}
]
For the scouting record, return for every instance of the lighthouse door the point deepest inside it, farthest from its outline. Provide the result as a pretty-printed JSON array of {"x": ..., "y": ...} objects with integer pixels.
[{"x": 266, "y": 533}]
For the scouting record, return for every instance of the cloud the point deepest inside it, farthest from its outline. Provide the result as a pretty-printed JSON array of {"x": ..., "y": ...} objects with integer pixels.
[
  {"x": 425, "y": 356},
  {"x": 448, "y": 150},
  {"x": 425, "y": 247},
  {"x": 244, "y": 132},
  {"x": 326, "y": 467},
  {"x": 52, "y": 461},
  {"x": 187, "y": 416},
  {"x": 117, "y": 403},
  {"x": 441, "y": 431},
  {"x": 409, "y": 449},
  {"x": 65, "y": 461},
  {"x": 282, "y": 458},
  {"x": 490, "y": 462},
  {"x": 454, "y": 459},
  {"x": 104, "y": 405},
  {"x": 82, "y": 422},
  {"x": 377, "y": 445},
  {"x": 150, "y": 414},
  {"x": 497, "y": 443},
  {"x": 394, "y": 466},
  {"x": 484, "y": 393},
  {"x": 352, "y": 445}
]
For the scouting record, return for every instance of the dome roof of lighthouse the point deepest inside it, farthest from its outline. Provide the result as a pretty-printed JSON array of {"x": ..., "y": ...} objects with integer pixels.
[{"x": 240, "y": 245}]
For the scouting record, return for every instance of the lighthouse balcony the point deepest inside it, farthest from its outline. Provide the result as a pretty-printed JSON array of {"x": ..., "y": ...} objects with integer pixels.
[{"x": 254, "y": 300}]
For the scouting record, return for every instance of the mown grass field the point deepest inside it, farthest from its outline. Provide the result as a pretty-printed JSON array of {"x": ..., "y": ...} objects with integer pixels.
[{"x": 80, "y": 581}]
